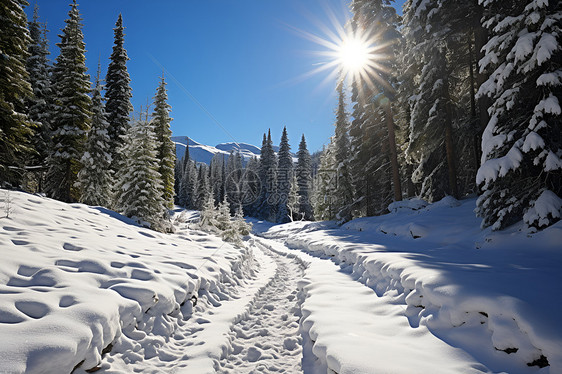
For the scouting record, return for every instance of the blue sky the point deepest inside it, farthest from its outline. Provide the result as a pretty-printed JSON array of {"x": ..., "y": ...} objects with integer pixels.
[{"x": 242, "y": 61}]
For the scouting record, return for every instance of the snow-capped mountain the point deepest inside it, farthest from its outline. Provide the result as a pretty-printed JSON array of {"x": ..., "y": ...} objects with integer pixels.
[{"x": 204, "y": 153}]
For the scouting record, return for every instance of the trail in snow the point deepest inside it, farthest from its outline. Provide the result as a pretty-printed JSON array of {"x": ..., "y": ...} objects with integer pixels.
[
  {"x": 347, "y": 328},
  {"x": 266, "y": 338}
]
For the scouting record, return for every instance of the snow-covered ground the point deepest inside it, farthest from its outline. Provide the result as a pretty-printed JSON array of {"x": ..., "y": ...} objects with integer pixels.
[
  {"x": 494, "y": 295},
  {"x": 415, "y": 291},
  {"x": 76, "y": 282}
]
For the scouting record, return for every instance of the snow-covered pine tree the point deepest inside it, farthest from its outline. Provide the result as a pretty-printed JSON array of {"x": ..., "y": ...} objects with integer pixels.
[
  {"x": 139, "y": 186},
  {"x": 251, "y": 187},
  {"x": 71, "y": 119},
  {"x": 178, "y": 176},
  {"x": 431, "y": 123},
  {"x": 39, "y": 106},
  {"x": 268, "y": 178},
  {"x": 325, "y": 182},
  {"x": 208, "y": 215},
  {"x": 233, "y": 179},
  {"x": 165, "y": 147},
  {"x": 370, "y": 164},
  {"x": 217, "y": 177},
  {"x": 293, "y": 200},
  {"x": 374, "y": 164},
  {"x": 242, "y": 227},
  {"x": 16, "y": 129},
  {"x": 183, "y": 183},
  {"x": 96, "y": 177},
  {"x": 521, "y": 171},
  {"x": 343, "y": 197},
  {"x": 118, "y": 93},
  {"x": 284, "y": 178},
  {"x": 223, "y": 216},
  {"x": 191, "y": 185},
  {"x": 203, "y": 188},
  {"x": 303, "y": 173}
]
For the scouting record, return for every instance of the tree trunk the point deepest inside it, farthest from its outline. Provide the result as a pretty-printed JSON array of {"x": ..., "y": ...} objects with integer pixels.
[
  {"x": 393, "y": 155},
  {"x": 449, "y": 145},
  {"x": 477, "y": 131}
]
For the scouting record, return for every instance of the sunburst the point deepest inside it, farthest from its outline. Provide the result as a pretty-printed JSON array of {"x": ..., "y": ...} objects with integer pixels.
[{"x": 347, "y": 53}]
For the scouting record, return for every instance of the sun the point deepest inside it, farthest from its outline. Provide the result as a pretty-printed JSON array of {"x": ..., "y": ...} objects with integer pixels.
[
  {"x": 347, "y": 52},
  {"x": 353, "y": 55}
]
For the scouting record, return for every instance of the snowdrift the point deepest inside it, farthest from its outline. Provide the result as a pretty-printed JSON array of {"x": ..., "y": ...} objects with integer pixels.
[
  {"x": 78, "y": 281},
  {"x": 496, "y": 295}
]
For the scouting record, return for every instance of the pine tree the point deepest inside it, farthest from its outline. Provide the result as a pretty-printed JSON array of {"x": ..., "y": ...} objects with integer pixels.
[
  {"x": 203, "y": 189},
  {"x": 118, "y": 93},
  {"x": 521, "y": 171},
  {"x": 72, "y": 114},
  {"x": 268, "y": 179},
  {"x": 178, "y": 176},
  {"x": 165, "y": 147},
  {"x": 39, "y": 106},
  {"x": 374, "y": 163},
  {"x": 139, "y": 186},
  {"x": 284, "y": 178},
  {"x": 208, "y": 215},
  {"x": 251, "y": 188},
  {"x": 303, "y": 173},
  {"x": 233, "y": 179},
  {"x": 16, "y": 129},
  {"x": 325, "y": 182},
  {"x": 372, "y": 166},
  {"x": 184, "y": 183},
  {"x": 344, "y": 189},
  {"x": 96, "y": 177},
  {"x": 293, "y": 200},
  {"x": 242, "y": 227},
  {"x": 217, "y": 178},
  {"x": 223, "y": 216},
  {"x": 192, "y": 185}
]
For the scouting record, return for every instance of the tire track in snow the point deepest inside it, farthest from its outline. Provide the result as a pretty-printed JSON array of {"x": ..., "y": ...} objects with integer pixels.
[{"x": 266, "y": 337}]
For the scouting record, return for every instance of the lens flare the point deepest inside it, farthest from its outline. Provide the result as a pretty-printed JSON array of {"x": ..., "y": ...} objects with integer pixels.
[{"x": 353, "y": 55}]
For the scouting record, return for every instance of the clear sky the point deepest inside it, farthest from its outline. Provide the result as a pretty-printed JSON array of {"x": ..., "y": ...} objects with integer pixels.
[{"x": 240, "y": 63}]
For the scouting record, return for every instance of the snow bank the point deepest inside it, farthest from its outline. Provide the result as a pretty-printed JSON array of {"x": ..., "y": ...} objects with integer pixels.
[
  {"x": 496, "y": 295},
  {"x": 77, "y": 282}
]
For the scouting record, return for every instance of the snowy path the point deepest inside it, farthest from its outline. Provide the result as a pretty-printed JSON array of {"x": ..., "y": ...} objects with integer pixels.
[
  {"x": 347, "y": 328},
  {"x": 266, "y": 338}
]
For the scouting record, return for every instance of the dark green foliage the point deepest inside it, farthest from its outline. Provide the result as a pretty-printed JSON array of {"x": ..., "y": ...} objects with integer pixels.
[
  {"x": 40, "y": 104},
  {"x": 16, "y": 129},
  {"x": 303, "y": 172},
  {"x": 118, "y": 93},
  {"x": 344, "y": 189},
  {"x": 165, "y": 147},
  {"x": 284, "y": 178},
  {"x": 72, "y": 114},
  {"x": 268, "y": 178}
]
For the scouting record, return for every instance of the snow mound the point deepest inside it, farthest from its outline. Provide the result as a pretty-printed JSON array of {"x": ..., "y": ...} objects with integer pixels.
[
  {"x": 76, "y": 284},
  {"x": 405, "y": 205}
]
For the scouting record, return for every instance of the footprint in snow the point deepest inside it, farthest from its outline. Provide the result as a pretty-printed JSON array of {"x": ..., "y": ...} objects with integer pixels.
[{"x": 253, "y": 354}]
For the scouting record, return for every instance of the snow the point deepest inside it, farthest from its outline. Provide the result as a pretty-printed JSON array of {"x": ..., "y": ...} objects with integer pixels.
[
  {"x": 493, "y": 295},
  {"x": 204, "y": 153},
  {"x": 422, "y": 289},
  {"x": 76, "y": 280},
  {"x": 547, "y": 204}
]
